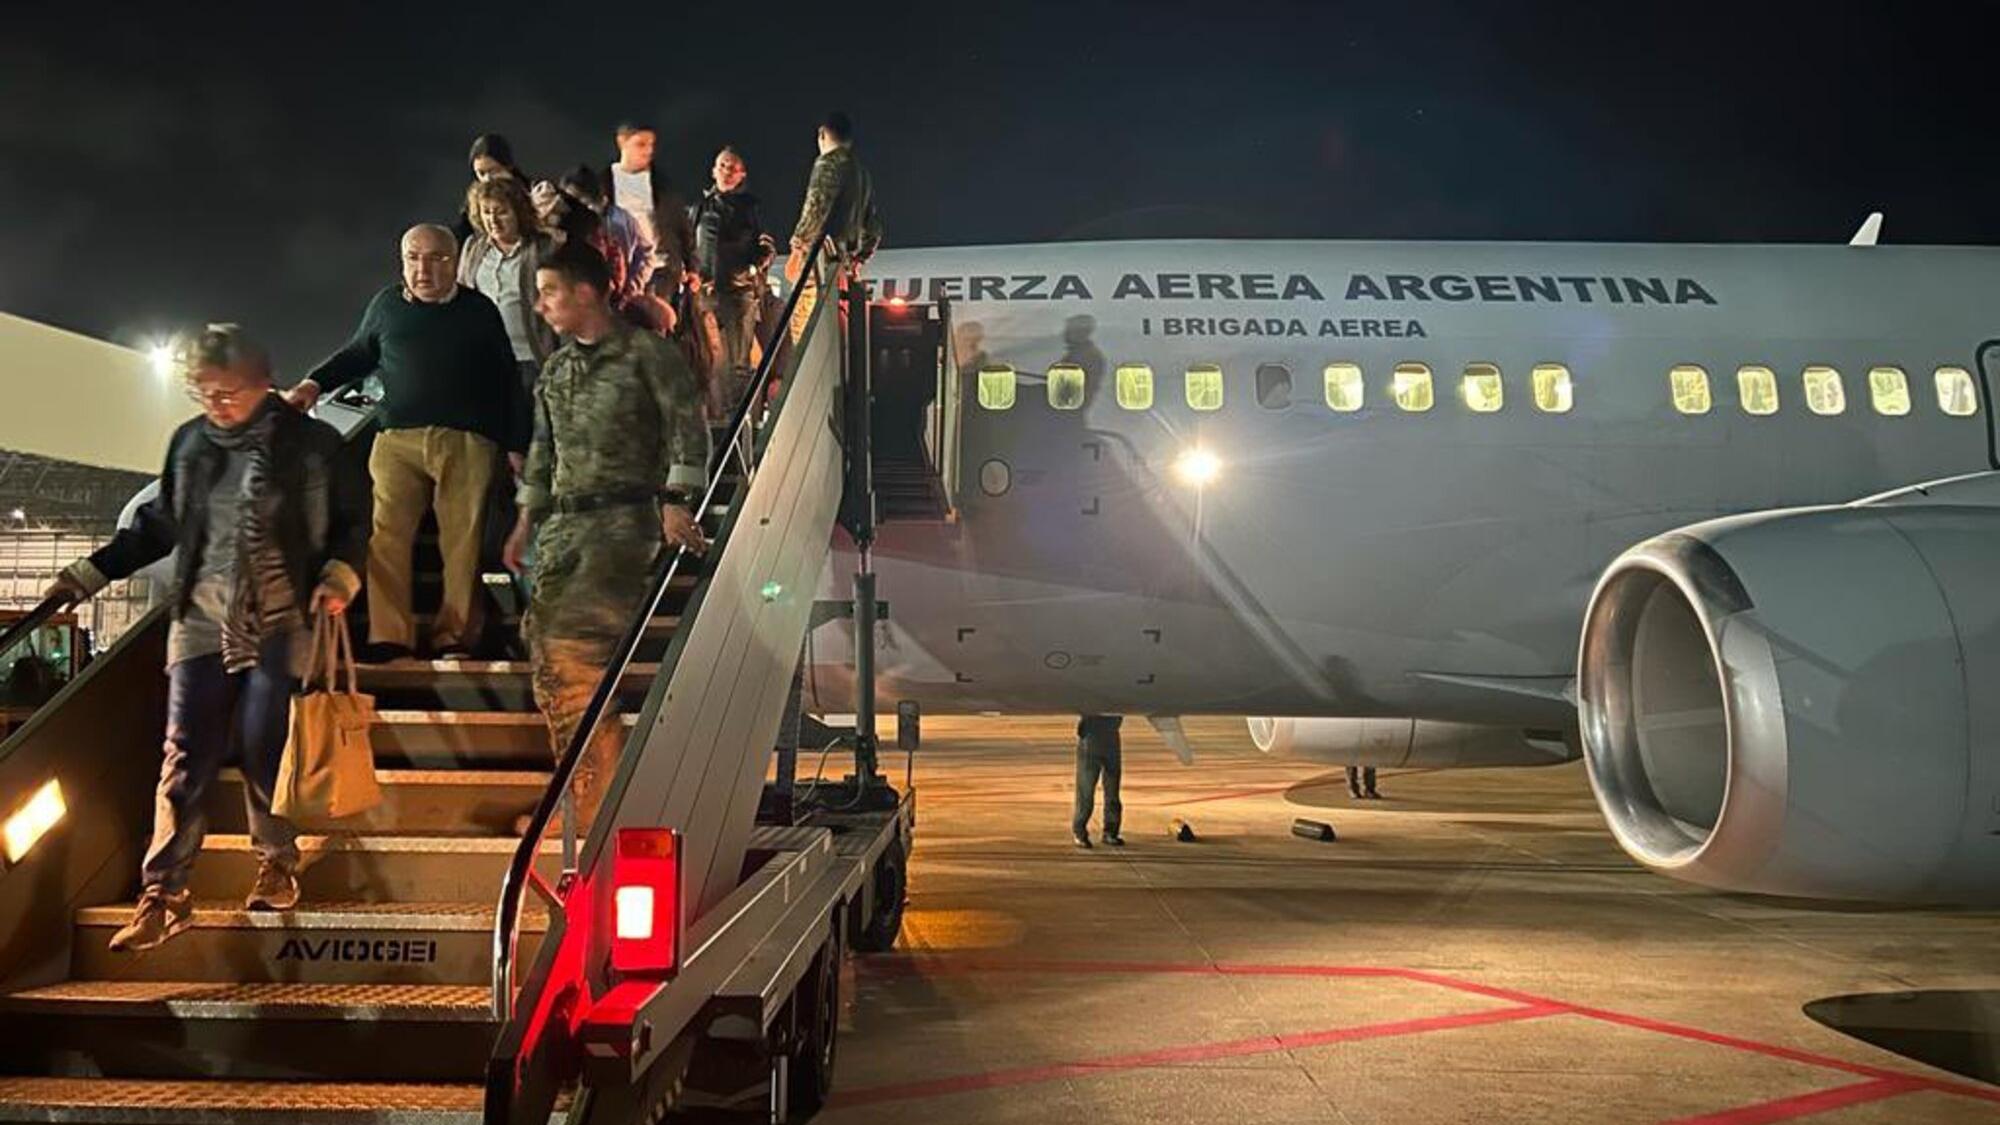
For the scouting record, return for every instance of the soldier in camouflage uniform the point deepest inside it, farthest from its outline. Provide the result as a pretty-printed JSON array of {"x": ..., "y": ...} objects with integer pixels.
[
  {"x": 614, "y": 468},
  {"x": 839, "y": 206}
]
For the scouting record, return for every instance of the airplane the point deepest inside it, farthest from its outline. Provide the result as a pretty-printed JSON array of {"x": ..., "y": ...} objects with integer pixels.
[{"x": 1716, "y": 518}]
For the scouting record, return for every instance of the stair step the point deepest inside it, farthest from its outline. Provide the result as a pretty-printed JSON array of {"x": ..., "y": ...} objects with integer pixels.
[
  {"x": 156, "y": 1102},
  {"x": 384, "y": 869},
  {"x": 318, "y": 943},
  {"x": 473, "y": 685},
  {"x": 446, "y": 739},
  {"x": 414, "y": 802},
  {"x": 203, "y": 1029}
]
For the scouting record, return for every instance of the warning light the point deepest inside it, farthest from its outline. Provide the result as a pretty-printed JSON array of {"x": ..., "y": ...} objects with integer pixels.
[
  {"x": 645, "y": 900},
  {"x": 32, "y": 821}
]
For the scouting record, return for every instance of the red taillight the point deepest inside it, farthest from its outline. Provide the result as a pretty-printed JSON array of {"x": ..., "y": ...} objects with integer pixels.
[{"x": 646, "y": 902}]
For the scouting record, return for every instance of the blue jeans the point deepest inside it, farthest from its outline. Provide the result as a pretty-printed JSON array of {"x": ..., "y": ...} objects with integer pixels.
[
  {"x": 200, "y": 724},
  {"x": 1091, "y": 765}
]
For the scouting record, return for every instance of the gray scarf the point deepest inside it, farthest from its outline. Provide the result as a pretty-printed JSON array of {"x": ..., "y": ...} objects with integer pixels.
[{"x": 262, "y": 603}]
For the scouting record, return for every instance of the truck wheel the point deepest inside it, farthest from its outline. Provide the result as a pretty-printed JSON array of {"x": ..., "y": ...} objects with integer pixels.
[
  {"x": 818, "y": 1005},
  {"x": 891, "y": 887}
]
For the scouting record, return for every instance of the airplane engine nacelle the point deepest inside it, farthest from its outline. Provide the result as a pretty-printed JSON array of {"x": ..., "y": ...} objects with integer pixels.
[
  {"x": 1804, "y": 702},
  {"x": 1408, "y": 743}
]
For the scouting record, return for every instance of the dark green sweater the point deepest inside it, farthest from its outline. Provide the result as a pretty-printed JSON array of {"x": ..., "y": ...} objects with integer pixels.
[{"x": 447, "y": 364}]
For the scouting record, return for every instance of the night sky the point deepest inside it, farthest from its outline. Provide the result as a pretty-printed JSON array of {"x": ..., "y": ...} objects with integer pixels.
[{"x": 158, "y": 169}]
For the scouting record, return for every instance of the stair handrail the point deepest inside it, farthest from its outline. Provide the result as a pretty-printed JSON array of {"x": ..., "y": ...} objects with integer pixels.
[
  {"x": 44, "y": 611},
  {"x": 521, "y": 873}
]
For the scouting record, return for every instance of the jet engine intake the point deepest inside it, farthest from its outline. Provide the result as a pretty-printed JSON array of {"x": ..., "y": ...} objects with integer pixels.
[{"x": 1804, "y": 702}]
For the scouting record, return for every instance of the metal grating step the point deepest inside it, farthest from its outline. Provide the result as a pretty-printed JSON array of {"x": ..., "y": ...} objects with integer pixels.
[
  {"x": 235, "y": 1000},
  {"x": 118, "y": 1101},
  {"x": 319, "y": 943},
  {"x": 459, "y": 802},
  {"x": 446, "y": 739},
  {"x": 344, "y": 868}
]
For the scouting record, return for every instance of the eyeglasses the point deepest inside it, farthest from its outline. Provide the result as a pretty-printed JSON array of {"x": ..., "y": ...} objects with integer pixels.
[{"x": 223, "y": 396}]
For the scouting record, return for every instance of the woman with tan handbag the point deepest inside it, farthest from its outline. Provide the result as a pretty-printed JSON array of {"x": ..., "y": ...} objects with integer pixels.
[{"x": 271, "y": 526}]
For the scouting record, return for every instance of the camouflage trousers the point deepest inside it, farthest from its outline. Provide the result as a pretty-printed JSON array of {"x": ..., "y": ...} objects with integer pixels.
[{"x": 592, "y": 570}]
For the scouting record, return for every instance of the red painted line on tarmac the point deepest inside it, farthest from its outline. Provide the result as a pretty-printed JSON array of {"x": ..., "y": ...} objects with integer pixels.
[
  {"x": 941, "y": 966},
  {"x": 1172, "y": 1056},
  {"x": 1805, "y": 1105}
]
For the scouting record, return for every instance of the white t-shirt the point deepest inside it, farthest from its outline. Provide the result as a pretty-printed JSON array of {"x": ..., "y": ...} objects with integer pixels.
[{"x": 634, "y": 192}]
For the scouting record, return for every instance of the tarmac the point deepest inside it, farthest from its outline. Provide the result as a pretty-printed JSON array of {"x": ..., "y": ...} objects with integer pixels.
[{"x": 1472, "y": 948}]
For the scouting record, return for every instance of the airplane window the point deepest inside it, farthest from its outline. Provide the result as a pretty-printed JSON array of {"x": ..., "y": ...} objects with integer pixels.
[
  {"x": 1135, "y": 386},
  {"x": 1410, "y": 386},
  {"x": 996, "y": 387},
  {"x": 1481, "y": 388},
  {"x": 1204, "y": 387},
  {"x": 1889, "y": 388},
  {"x": 1690, "y": 384},
  {"x": 1824, "y": 394},
  {"x": 1343, "y": 387},
  {"x": 1955, "y": 392},
  {"x": 1066, "y": 387},
  {"x": 1554, "y": 394},
  {"x": 1757, "y": 388},
  {"x": 1274, "y": 386}
]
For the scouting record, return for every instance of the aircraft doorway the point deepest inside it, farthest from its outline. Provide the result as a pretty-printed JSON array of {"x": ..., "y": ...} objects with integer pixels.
[
  {"x": 1989, "y": 377},
  {"x": 914, "y": 414}
]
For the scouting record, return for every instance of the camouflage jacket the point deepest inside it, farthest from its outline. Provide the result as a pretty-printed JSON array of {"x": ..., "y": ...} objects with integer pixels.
[
  {"x": 621, "y": 415},
  {"x": 840, "y": 198}
]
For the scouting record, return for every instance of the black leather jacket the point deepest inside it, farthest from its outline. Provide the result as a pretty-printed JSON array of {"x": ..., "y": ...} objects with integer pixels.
[
  {"x": 727, "y": 230},
  {"x": 323, "y": 517}
]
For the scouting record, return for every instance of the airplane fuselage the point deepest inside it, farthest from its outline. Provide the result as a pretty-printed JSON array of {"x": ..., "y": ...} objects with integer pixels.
[{"x": 1354, "y": 558}]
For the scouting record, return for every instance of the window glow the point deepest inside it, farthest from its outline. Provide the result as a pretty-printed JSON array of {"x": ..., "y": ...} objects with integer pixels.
[
  {"x": 32, "y": 821},
  {"x": 1135, "y": 386},
  {"x": 1554, "y": 393},
  {"x": 1690, "y": 387},
  {"x": 1344, "y": 388},
  {"x": 1482, "y": 388},
  {"x": 1757, "y": 390},
  {"x": 1066, "y": 387},
  {"x": 1204, "y": 387},
  {"x": 635, "y": 913},
  {"x": 1824, "y": 392},
  {"x": 1410, "y": 386},
  {"x": 1889, "y": 390},
  {"x": 1197, "y": 467},
  {"x": 1955, "y": 392},
  {"x": 996, "y": 387}
]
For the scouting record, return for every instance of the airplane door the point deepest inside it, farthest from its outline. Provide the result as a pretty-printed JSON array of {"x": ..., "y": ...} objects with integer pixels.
[{"x": 1989, "y": 378}]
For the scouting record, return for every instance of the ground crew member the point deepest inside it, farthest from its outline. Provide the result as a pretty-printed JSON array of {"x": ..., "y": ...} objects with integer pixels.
[
  {"x": 730, "y": 253},
  {"x": 1097, "y": 756},
  {"x": 1361, "y": 782},
  {"x": 614, "y": 468},
  {"x": 840, "y": 205}
]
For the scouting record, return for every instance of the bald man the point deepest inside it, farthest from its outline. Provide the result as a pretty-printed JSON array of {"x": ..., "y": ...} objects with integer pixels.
[{"x": 452, "y": 403}]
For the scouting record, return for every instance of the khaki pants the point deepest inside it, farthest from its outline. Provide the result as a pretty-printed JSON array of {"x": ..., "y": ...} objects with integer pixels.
[{"x": 429, "y": 468}]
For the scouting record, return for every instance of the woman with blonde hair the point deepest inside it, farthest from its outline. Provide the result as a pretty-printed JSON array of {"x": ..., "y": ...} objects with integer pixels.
[{"x": 500, "y": 260}]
